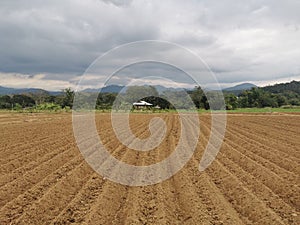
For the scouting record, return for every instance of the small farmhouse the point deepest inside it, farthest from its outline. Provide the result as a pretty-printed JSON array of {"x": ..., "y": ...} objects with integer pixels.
[{"x": 142, "y": 105}]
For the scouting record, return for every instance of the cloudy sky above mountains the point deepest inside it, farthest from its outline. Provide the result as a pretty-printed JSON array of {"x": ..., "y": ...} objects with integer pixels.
[{"x": 50, "y": 44}]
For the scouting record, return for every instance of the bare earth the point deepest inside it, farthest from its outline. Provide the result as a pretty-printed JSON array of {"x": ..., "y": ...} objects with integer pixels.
[{"x": 254, "y": 180}]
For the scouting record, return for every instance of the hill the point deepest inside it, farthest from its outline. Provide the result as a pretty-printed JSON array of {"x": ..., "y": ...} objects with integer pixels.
[
  {"x": 106, "y": 89},
  {"x": 9, "y": 91},
  {"x": 117, "y": 89},
  {"x": 15, "y": 91},
  {"x": 239, "y": 88},
  {"x": 293, "y": 86}
]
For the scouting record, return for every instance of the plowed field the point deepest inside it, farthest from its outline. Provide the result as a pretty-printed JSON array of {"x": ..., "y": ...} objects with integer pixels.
[{"x": 254, "y": 179}]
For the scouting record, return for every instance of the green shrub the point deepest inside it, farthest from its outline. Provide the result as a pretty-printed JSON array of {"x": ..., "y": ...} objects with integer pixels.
[{"x": 49, "y": 107}]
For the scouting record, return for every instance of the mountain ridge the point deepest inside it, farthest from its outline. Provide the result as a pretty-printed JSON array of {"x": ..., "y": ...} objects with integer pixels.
[
  {"x": 237, "y": 89},
  {"x": 15, "y": 91},
  {"x": 243, "y": 86}
]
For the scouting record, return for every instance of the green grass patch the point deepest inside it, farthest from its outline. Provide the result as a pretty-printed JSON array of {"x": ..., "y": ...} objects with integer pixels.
[{"x": 266, "y": 110}]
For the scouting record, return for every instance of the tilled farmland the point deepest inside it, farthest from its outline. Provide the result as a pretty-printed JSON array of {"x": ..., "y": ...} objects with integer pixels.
[{"x": 254, "y": 180}]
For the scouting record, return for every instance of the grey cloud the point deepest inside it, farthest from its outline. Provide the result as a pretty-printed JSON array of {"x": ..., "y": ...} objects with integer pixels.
[
  {"x": 240, "y": 41},
  {"x": 66, "y": 36},
  {"x": 118, "y": 2}
]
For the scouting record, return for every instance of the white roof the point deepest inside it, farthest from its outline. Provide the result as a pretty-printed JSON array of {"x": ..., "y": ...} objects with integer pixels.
[{"x": 142, "y": 103}]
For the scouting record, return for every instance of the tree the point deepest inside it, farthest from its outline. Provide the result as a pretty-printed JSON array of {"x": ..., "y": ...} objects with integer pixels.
[
  {"x": 178, "y": 99},
  {"x": 160, "y": 101},
  {"x": 199, "y": 98},
  {"x": 243, "y": 101},
  {"x": 204, "y": 103},
  {"x": 67, "y": 98},
  {"x": 231, "y": 101},
  {"x": 51, "y": 99},
  {"x": 39, "y": 96},
  {"x": 23, "y": 101},
  {"x": 267, "y": 100},
  {"x": 281, "y": 100},
  {"x": 135, "y": 93},
  {"x": 5, "y": 102},
  {"x": 105, "y": 100},
  {"x": 196, "y": 96}
]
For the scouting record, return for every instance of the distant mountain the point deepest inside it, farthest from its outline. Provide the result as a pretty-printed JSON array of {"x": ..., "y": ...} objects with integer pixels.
[
  {"x": 106, "y": 89},
  {"x": 244, "y": 86},
  {"x": 9, "y": 91},
  {"x": 112, "y": 89},
  {"x": 117, "y": 88},
  {"x": 239, "y": 88},
  {"x": 293, "y": 86},
  {"x": 15, "y": 91},
  {"x": 160, "y": 89}
]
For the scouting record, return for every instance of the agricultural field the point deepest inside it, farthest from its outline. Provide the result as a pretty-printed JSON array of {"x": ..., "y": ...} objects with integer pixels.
[{"x": 254, "y": 180}]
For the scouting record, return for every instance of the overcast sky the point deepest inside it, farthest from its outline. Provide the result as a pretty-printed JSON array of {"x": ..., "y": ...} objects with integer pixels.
[{"x": 50, "y": 44}]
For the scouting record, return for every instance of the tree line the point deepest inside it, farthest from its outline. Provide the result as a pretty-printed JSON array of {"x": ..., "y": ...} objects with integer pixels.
[
  {"x": 41, "y": 100},
  {"x": 278, "y": 95},
  {"x": 271, "y": 96}
]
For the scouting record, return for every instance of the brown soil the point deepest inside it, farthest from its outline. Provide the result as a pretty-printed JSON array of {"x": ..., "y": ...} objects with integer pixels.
[{"x": 254, "y": 180}]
